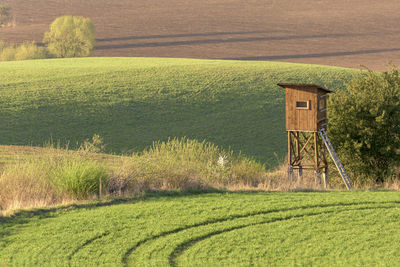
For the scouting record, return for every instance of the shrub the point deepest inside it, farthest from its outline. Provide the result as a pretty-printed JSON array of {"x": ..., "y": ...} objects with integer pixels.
[
  {"x": 5, "y": 15},
  {"x": 2, "y": 45},
  {"x": 29, "y": 50},
  {"x": 364, "y": 125},
  {"x": 26, "y": 50},
  {"x": 70, "y": 36},
  {"x": 8, "y": 53}
]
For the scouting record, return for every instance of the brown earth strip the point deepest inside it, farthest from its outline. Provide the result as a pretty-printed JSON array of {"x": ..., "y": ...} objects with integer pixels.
[{"x": 341, "y": 32}]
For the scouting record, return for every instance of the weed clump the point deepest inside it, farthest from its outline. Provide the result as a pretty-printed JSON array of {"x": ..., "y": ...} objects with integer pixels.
[{"x": 79, "y": 179}]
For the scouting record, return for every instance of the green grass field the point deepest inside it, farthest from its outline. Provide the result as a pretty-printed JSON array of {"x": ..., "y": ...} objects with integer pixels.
[
  {"x": 132, "y": 102},
  {"x": 213, "y": 229}
]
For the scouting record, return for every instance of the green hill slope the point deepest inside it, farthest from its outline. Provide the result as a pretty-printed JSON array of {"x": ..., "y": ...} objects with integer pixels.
[{"x": 131, "y": 102}]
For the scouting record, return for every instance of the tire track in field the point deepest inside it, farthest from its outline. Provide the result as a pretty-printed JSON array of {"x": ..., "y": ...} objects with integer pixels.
[
  {"x": 84, "y": 244},
  {"x": 239, "y": 216},
  {"x": 180, "y": 249}
]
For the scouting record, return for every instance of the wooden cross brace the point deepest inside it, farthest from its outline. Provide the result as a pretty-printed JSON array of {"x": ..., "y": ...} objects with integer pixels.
[{"x": 306, "y": 145}]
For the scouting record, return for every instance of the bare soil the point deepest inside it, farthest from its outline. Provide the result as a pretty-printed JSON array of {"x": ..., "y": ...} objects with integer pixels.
[{"x": 340, "y": 32}]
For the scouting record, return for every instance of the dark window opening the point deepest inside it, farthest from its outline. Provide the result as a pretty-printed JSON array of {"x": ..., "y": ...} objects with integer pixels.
[{"x": 302, "y": 104}]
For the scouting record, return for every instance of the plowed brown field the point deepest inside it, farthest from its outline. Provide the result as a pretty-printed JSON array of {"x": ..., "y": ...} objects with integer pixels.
[{"x": 340, "y": 32}]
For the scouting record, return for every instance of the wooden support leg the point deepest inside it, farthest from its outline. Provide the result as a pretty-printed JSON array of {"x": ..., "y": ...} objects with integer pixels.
[
  {"x": 290, "y": 173},
  {"x": 300, "y": 174},
  {"x": 326, "y": 178},
  {"x": 316, "y": 160},
  {"x": 317, "y": 177}
]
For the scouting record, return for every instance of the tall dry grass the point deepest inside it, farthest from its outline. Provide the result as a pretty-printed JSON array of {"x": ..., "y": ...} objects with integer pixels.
[
  {"x": 52, "y": 176},
  {"x": 185, "y": 164}
]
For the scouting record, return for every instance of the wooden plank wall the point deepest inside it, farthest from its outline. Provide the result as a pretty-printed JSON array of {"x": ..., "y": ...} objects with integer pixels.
[{"x": 301, "y": 119}]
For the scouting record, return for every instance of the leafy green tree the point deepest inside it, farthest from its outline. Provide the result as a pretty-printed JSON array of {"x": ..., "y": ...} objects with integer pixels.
[
  {"x": 70, "y": 36},
  {"x": 364, "y": 125}
]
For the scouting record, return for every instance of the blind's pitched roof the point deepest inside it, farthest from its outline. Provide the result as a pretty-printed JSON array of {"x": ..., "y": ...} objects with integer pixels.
[{"x": 297, "y": 85}]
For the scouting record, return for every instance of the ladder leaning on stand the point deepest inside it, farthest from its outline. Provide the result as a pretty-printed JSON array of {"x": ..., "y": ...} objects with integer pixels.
[{"x": 335, "y": 158}]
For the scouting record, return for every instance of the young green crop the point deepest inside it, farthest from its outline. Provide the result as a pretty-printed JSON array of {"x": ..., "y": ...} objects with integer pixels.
[
  {"x": 132, "y": 102},
  {"x": 214, "y": 229}
]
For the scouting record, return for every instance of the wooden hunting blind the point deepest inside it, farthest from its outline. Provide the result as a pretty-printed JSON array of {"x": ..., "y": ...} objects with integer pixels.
[
  {"x": 305, "y": 107},
  {"x": 306, "y": 120}
]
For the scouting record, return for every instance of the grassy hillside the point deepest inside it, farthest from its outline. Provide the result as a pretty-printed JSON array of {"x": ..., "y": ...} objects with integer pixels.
[
  {"x": 131, "y": 102},
  {"x": 219, "y": 229}
]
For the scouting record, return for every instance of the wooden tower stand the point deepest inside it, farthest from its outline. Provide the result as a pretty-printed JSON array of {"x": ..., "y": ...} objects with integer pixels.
[
  {"x": 308, "y": 143},
  {"x": 305, "y": 116}
]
